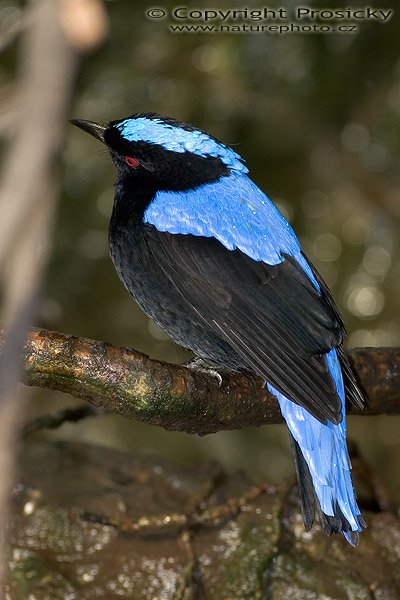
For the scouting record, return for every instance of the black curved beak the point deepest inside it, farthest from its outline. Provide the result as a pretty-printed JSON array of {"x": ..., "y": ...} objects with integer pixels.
[{"x": 94, "y": 129}]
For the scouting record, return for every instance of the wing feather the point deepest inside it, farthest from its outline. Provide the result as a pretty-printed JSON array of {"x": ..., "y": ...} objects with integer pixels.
[{"x": 271, "y": 315}]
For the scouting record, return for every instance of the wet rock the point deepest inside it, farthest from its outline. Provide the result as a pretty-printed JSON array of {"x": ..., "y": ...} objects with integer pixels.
[{"x": 90, "y": 522}]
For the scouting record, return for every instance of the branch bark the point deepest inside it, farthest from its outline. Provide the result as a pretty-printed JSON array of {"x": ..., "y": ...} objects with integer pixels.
[{"x": 128, "y": 383}]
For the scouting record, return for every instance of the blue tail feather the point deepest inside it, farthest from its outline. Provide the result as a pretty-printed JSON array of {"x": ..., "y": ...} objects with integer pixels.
[{"x": 323, "y": 447}]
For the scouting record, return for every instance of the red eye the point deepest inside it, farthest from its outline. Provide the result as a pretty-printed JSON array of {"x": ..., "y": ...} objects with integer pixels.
[{"x": 131, "y": 162}]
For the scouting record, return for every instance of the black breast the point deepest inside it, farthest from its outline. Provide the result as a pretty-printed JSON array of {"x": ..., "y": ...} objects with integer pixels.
[{"x": 156, "y": 293}]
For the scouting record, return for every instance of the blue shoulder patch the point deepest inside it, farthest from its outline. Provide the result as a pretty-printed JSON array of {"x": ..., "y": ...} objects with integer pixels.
[
  {"x": 234, "y": 211},
  {"x": 177, "y": 139}
]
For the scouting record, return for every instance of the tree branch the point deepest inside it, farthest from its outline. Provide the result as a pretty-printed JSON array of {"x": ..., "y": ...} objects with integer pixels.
[
  {"x": 55, "y": 420},
  {"x": 128, "y": 383}
]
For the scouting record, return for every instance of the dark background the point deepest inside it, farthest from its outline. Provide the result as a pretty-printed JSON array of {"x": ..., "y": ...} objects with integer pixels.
[{"x": 317, "y": 119}]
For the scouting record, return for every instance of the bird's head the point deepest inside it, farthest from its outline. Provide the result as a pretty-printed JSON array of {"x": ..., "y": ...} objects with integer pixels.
[{"x": 162, "y": 153}]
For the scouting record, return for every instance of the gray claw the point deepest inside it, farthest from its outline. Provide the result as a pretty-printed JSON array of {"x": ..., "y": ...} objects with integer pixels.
[{"x": 199, "y": 364}]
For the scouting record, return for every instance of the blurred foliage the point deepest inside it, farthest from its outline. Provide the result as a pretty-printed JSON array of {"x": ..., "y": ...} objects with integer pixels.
[{"x": 317, "y": 119}]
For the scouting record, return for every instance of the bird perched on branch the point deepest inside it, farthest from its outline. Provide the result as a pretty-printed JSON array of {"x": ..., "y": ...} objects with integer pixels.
[{"x": 213, "y": 262}]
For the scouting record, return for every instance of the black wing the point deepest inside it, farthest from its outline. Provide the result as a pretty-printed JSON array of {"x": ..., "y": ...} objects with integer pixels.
[{"x": 272, "y": 316}]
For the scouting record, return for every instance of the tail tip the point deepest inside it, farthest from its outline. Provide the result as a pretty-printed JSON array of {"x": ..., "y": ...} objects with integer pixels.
[
  {"x": 352, "y": 537},
  {"x": 339, "y": 524}
]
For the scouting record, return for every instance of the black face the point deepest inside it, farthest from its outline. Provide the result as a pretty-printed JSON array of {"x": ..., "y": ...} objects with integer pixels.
[{"x": 152, "y": 166}]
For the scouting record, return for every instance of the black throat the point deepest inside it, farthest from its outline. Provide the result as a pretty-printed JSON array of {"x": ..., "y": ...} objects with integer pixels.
[{"x": 132, "y": 197}]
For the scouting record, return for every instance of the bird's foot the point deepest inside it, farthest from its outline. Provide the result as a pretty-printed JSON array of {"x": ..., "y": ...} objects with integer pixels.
[{"x": 199, "y": 364}]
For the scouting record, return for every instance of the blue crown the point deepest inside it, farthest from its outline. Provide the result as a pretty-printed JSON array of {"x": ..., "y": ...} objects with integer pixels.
[{"x": 176, "y": 139}]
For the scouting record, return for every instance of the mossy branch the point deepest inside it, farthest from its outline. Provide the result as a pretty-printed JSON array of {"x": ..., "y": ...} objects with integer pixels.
[{"x": 128, "y": 383}]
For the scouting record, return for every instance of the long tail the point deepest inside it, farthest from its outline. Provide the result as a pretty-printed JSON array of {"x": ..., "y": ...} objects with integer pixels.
[{"x": 323, "y": 464}]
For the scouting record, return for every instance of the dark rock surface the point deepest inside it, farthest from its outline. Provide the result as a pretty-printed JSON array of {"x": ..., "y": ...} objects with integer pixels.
[{"x": 89, "y": 522}]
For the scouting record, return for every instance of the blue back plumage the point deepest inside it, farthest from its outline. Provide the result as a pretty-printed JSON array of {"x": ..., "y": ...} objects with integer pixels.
[
  {"x": 174, "y": 138},
  {"x": 234, "y": 211}
]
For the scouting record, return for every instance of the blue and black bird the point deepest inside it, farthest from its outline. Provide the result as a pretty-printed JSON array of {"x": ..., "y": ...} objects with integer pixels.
[{"x": 213, "y": 262}]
